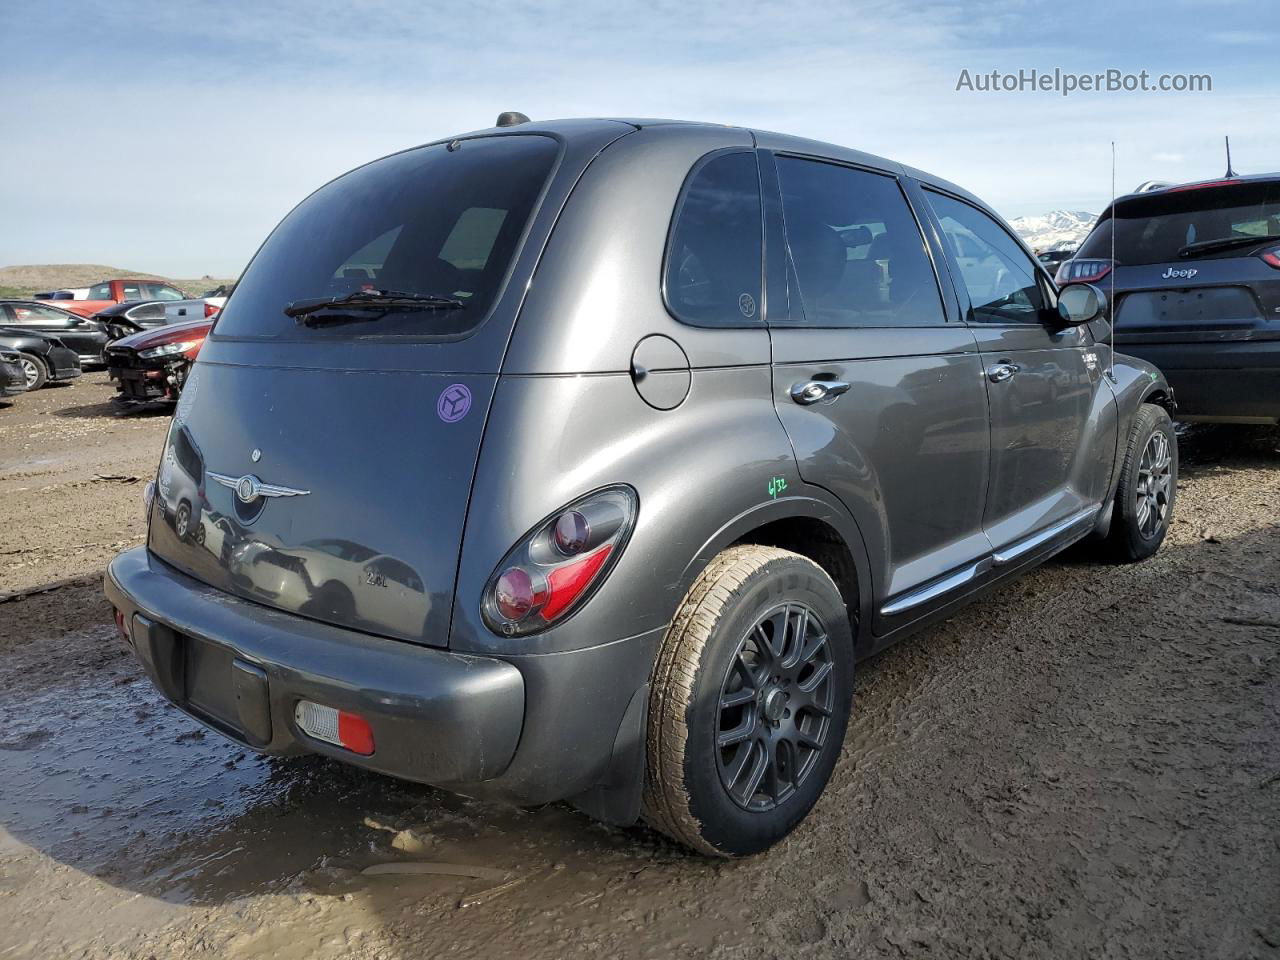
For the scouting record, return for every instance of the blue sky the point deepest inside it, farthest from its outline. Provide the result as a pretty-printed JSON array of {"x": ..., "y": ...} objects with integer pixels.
[{"x": 172, "y": 136}]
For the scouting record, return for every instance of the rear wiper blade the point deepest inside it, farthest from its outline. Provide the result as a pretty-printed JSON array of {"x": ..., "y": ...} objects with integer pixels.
[
  {"x": 1226, "y": 243},
  {"x": 378, "y": 300}
]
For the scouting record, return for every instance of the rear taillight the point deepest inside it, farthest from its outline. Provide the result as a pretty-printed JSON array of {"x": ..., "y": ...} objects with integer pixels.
[
  {"x": 1271, "y": 257},
  {"x": 210, "y": 310},
  {"x": 1087, "y": 270},
  {"x": 560, "y": 563}
]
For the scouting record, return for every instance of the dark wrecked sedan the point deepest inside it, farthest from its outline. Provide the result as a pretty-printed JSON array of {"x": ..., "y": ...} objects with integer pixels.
[
  {"x": 582, "y": 460},
  {"x": 13, "y": 379}
]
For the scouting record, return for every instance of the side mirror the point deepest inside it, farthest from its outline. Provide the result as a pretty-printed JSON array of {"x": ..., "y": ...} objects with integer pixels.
[
  {"x": 75, "y": 321},
  {"x": 1081, "y": 303}
]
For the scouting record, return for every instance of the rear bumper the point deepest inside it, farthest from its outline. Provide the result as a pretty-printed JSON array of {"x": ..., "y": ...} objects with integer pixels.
[
  {"x": 240, "y": 668},
  {"x": 526, "y": 730},
  {"x": 1229, "y": 381}
]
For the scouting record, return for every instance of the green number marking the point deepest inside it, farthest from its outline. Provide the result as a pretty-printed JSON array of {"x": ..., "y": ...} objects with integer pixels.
[{"x": 776, "y": 486}]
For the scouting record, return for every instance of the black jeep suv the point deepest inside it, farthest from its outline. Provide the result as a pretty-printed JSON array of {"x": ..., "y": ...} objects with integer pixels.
[{"x": 1197, "y": 285}]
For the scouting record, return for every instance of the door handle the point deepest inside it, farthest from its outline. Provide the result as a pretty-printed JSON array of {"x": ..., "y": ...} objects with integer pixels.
[
  {"x": 815, "y": 391},
  {"x": 1000, "y": 372}
]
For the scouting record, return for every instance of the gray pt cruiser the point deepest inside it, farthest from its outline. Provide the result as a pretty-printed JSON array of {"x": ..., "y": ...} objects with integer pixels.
[{"x": 582, "y": 460}]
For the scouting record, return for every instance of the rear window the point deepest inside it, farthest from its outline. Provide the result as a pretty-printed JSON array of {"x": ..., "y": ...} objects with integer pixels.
[
  {"x": 1154, "y": 227},
  {"x": 433, "y": 221}
]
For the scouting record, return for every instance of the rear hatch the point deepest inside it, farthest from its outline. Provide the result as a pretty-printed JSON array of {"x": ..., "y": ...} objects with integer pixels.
[
  {"x": 1195, "y": 264},
  {"x": 322, "y": 463}
]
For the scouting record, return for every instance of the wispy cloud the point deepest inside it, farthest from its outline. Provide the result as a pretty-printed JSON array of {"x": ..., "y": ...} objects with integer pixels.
[{"x": 179, "y": 148}]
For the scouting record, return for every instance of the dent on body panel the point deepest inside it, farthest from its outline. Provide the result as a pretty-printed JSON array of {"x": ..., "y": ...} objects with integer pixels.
[{"x": 552, "y": 439}]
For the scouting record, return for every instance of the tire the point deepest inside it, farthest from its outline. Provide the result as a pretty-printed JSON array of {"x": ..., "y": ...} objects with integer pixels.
[
  {"x": 182, "y": 520},
  {"x": 33, "y": 368},
  {"x": 1137, "y": 532},
  {"x": 691, "y": 792}
]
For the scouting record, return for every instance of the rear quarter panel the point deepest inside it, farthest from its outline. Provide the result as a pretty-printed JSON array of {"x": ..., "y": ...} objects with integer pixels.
[{"x": 695, "y": 468}]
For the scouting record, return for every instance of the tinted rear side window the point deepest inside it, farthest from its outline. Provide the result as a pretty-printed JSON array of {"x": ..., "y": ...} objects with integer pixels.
[
  {"x": 1155, "y": 227},
  {"x": 430, "y": 221},
  {"x": 857, "y": 250},
  {"x": 714, "y": 258}
]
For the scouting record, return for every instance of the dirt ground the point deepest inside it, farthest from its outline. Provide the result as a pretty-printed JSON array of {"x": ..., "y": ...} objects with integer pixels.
[{"x": 1086, "y": 764}]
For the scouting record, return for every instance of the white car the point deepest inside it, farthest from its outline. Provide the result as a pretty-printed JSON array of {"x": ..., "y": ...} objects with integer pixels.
[{"x": 180, "y": 311}]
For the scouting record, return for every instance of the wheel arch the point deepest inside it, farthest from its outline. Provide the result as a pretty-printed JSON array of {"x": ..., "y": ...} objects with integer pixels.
[{"x": 814, "y": 528}]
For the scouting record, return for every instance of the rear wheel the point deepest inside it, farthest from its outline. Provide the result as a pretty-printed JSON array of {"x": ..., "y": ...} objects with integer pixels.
[
  {"x": 182, "y": 520},
  {"x": 750, "y": 702},
  {"x": 1148, "y": 487},
  {"x": 34, "y": 370}
]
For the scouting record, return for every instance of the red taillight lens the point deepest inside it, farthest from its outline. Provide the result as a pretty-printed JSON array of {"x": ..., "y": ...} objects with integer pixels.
[
  {"x": 210, "y": 310},
  {"x": 514, "y": 593},
  {"x": 355, "y": 734},
  {"x": 1271, "y": 257},
  {"x": 557, "y": 566},
  {"x": 564, "y": 584},
  {"x": 1082, "y": 271},
  {"x": 572, "y": 532}
]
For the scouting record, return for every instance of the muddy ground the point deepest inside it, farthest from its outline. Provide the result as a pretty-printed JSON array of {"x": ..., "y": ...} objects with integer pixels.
[{"x": 1087, "y": 764}]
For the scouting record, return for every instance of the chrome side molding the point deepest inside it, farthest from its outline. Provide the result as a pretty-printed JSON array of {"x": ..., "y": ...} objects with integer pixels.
[{"x": 1000, "y": 558}]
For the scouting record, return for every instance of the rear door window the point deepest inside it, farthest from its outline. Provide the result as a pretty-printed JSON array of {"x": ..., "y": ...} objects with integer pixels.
[
  {"x": 714, "y": 257},
  {"x": 859, "y": 257},
  {"x": 1158, "y": 227},
  {"x": 998, "y": 274},
  {"x": 442, "y": 220},
  {"x": 161, "y": 291}
]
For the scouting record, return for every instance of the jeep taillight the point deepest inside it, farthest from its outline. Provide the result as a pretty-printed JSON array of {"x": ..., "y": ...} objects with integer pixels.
[
  {"x": 1088, "y": 270},
  {"x": 1271, "y": 257},
  {"x": 556, "y": 567}
]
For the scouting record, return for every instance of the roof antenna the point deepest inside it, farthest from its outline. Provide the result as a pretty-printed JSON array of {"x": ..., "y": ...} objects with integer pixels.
[
  {"x": 511, "y": 118},
  {"x": 1230, "y": 173},
  {"x": 1111, "y": 360}
]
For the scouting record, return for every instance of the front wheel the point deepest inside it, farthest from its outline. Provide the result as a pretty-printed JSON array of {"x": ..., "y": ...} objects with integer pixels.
[
  {"x": 749, "y": 704},
  {"x": 1147, "y": 489},
  {"x": 34, "y": 370}
]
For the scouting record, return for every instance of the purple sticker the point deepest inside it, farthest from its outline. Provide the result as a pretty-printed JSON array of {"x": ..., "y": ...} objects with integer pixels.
[{"x": 454, "y": 403}]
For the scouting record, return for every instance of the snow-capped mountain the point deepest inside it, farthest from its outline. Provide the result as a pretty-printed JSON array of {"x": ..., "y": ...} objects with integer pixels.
[{"x": 1056, "y": 230}]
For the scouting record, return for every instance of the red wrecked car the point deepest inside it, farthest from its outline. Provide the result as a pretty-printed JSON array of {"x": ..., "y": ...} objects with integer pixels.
[{"x": 152, "y": 366}]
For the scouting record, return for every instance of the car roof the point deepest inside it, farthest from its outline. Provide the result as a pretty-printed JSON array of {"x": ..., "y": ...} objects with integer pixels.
[
  {"x": 573, "y": 127},
  {"x": 1198, "y": 184}
]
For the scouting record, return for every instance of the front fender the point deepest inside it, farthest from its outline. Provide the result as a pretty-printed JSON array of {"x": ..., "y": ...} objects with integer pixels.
[{"x": 1134, "y": 383}]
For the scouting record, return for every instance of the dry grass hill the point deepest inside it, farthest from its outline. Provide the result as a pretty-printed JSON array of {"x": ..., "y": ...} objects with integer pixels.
[{"x": 24, "y": 280}]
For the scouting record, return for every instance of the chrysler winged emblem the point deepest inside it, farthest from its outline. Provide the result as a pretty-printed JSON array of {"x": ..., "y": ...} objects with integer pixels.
[{"x": 249, "y": 488}]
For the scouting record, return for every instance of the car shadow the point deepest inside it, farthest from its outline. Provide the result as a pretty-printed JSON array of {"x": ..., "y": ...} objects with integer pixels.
[
  {"x": 1205, "y": 446},
  {"x": 110, "y": 408}
]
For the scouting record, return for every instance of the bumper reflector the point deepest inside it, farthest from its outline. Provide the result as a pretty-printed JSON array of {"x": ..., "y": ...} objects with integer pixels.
[
  {"x": 347, "y": 730},
  {"x": 122, "y": 627}
]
